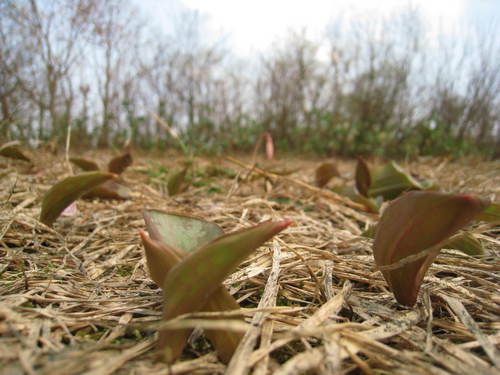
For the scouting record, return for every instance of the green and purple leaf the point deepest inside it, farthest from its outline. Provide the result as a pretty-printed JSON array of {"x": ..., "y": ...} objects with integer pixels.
[
  {"x": 363, "y": 177},
  {"x": 12, "y": 150},
  {"x": 411, "y": 232},
  {"x": 120, "y": 163},
  {"x": 325, "y": 172},
  {"x": 160, "y": 259},
  {"x": 173, "y": 237},
  {"x": 85, "y": 164},
  {"x": 66, "y": 191},
  {"x": 177, "y": 182},
  {"x": 391, "y": 180},
  {"x": 190, "y": 284}
]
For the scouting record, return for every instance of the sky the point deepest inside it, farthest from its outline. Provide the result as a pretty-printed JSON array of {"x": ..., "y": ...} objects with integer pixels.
[{"x": 250, "y": 27}]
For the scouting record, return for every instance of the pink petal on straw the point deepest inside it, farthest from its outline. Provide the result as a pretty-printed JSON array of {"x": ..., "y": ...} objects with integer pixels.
[{"x": 71, "y": 210}]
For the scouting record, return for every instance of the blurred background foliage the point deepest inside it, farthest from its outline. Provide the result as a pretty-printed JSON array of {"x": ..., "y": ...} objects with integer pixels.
[{"x": 385, "y": 88}]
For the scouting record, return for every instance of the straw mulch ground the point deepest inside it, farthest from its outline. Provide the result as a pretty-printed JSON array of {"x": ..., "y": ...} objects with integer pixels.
[{"x": 76, "y": 299}]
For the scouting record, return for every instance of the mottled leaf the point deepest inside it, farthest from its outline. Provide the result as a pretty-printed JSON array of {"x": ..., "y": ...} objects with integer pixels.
[
  {"x": 85, "y": 164},
  {"x": 66, "y": 191},
  {"x": 11, "y": 150},
  {"x": 109, "y": 190},
  {"x": 325, "y": 172},
  {"x": 411, "y": 232},
  {"x": 363, "y": 177},
  {"x": 180, "y": 231},
  {"x": 391, "y": 180},
  {"x": 466, "y": 243},
  {"x": 120, "y": 163},
  {"x": 190, "y": 284}
]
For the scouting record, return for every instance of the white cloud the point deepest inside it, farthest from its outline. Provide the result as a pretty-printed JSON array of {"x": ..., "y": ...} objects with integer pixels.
[{"x": 254, "y": 25}]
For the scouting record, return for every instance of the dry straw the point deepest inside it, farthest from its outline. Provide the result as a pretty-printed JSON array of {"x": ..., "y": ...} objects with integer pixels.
[{"x": 77, "y": 299}]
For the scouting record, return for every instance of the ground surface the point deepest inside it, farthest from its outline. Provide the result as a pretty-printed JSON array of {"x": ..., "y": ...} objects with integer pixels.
[{"x": 75, "y": 299}]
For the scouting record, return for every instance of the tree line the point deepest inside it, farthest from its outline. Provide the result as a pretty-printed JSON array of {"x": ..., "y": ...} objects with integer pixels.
[{"x": 386, "y": 87}]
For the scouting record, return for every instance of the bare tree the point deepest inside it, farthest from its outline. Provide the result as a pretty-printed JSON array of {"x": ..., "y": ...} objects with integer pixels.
[{"x": 51, "y": 35}]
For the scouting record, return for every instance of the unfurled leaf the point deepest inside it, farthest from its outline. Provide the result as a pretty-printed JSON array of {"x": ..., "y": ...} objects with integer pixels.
[
  {"x": 177, "y": 182},
  {"x": 325, "y": 172},
  {"x": 11, "y": 150},
  {"x": 370, "y": 204},
  {"x": 363, "y": 177},
  {"x": 466, "y": 243},
  {"x": 411, "y": 232},
  {"x": 180, "y": 231},
  {"x": 120, "y": 163},
  {"x": 85, "y": 164},
  {"x": 66, "y": 191},
  {"x": 160, "y": 259},
  {"x": 391, "y": 180},
  {"x": 491, "y": 214},
  {"x": 109, "y": 190},
  {"x": 191, "y": 283}
]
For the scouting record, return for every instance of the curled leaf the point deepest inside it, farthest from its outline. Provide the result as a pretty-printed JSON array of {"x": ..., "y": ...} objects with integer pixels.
[
  {"x": 120, "y": 163},
  {"x": 391, "y": 180},
  {"x": 191, "y": 283},
  {"x": 411, "y": 232},
  {"x": 85, "y": 164},
  {"x": 325, "y": 172},
  {"x": 12, "y": 150},
  {"x": 66, "y": 191},
  {"x": 363, "y": 177}
]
